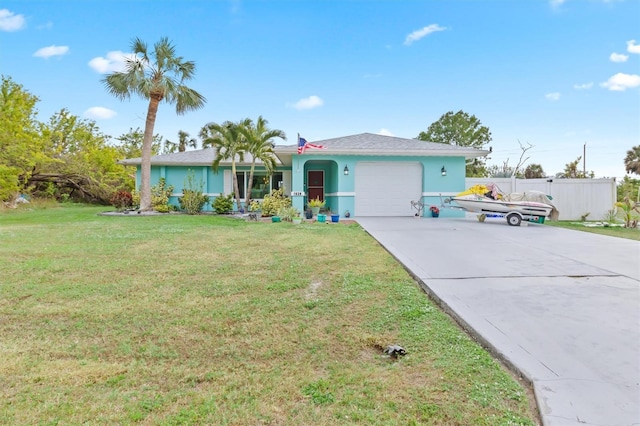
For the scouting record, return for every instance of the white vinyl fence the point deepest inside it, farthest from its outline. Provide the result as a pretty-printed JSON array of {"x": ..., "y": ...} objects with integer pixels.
[{"x": 572, "y": 197}]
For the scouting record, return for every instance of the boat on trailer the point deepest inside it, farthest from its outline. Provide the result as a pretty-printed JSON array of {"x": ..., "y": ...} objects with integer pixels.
[{"x": 532, "y": 206}]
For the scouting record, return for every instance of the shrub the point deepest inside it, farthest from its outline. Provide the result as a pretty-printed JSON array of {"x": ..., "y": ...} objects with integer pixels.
[
  {"x": 135, "y": 199},
  {"x": 316, "y": 203},
  {"x": 288, "y": 213},
  {"x": 121, "y": 200},
  {"x": 160, "y": 194},
  {"x": 255, "y": 206},
  {"x": 274, "y": 201},
  {"x": 223, "y": 204},
  {"x": 629, "y": 212},
  {"x": 192, "y": 200}
]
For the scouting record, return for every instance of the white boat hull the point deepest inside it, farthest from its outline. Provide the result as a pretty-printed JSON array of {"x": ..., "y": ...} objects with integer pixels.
[{"x": 480, "y": 204}]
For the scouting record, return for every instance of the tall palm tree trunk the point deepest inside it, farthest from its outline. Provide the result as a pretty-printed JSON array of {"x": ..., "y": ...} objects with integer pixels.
[
  {"x": 247, "y": 196},
  {"x": 236, "y": 188},
  {"x": 145, "y": 166}
]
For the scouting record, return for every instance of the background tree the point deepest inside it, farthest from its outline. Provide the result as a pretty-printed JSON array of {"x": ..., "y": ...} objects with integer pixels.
[
  {"x": 20, "y": 143},
  {"x": 80, "y": 164},
  {"x": 572, "y": 171},
  {"x": 460, "y": 129},
  {"x": 259, "y": 140},
  {"x": 534, "y": 171},
  {"x": 628, "y": 187},
  {"x": 184, "y": 142},
  {"x": 230, "y": 145},
  {"x": 632, "y": 160},
  {"x": 131, "y": 143},
  {"x": 500, "y": 171},
  {"x": 155, "y": 76}
]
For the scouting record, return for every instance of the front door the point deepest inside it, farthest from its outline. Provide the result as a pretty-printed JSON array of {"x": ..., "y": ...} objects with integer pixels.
[{"x": 315, "y": 185}]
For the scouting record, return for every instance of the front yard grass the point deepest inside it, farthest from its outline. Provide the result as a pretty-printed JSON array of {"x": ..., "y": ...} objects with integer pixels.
[
  {"x": 612, "y": 231},
  {"x": 210, "y": 320}
]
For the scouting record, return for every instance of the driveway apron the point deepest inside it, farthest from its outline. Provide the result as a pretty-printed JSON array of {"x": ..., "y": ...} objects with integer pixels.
[{"x": 561, "y": 307}]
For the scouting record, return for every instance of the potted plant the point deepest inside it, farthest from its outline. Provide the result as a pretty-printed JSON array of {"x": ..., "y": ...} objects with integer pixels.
[
  {"x": 316, "y": 204},
  {"x": 287, "y": 214},
  {"x": 435, "y": 211}
]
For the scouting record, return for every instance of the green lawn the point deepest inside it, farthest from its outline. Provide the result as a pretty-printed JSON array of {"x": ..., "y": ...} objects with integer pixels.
[
  {"x": 612, "y": 231},
  {"x": 209, "y": 320}
]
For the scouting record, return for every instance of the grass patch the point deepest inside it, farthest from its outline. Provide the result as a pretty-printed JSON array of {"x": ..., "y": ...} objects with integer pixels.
[
  {"x": 612, "y": 231},
  {"x": 209, "y": 320}
]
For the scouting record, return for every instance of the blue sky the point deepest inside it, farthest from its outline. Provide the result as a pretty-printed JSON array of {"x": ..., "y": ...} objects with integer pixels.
[{"x": 554, "y": 74}]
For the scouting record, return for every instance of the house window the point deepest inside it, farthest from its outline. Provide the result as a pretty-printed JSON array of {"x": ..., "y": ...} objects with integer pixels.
[
  {"x": 262, "y": 184},
  {"x": 241, "y": 181}
]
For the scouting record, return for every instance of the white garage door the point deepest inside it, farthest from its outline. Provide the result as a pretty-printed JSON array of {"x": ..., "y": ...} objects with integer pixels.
[{"x": 387, "y": 188}]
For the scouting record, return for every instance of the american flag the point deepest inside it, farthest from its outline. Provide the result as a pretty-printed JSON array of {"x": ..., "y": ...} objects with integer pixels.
[{"x": 303, "y": 144}]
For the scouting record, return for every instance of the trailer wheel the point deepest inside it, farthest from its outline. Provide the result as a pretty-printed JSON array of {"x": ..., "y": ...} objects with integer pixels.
[{"x": 514, "y": 219}]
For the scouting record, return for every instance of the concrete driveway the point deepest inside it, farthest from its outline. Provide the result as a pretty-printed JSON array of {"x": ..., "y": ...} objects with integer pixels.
[{"x": 561, "y": 307}]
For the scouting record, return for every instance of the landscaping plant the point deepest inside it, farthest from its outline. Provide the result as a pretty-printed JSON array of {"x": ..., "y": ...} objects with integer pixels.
[
  {"x": 192, "y": 200},
  {"x": 629, "y": 212},
  {"x": 160, "y": 194},
  {"x": 223, "y": 204},
  {"x": 274, "y": 201}
]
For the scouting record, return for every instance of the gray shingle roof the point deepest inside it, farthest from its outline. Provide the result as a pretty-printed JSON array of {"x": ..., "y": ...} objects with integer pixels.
[
  {"x": 373, "y": 144},
  {"x": 362, "y": 144},
  {"x": 200, "y": 157}
]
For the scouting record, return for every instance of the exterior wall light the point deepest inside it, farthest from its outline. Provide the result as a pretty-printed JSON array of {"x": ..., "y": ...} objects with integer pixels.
[
  {"x": 346, "y": 170},
  {"x": 443, "y": 171}
]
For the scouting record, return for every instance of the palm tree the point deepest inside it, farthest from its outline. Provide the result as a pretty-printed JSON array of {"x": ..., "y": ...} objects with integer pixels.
[
  {"x": 229, "y": 144},
  {"x": 158, "y": 75},
  {"x": 632, "y": 160},
  {"x": 184, "y": 141},
  {"x": 259, "y": 144}
]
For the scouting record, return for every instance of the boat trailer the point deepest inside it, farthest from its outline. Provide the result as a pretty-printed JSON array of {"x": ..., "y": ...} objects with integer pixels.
[{"x": 514, "y": 218}]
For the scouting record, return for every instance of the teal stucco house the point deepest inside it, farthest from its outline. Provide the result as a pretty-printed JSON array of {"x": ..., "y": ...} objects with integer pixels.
[{"x": 365, "y": 174}]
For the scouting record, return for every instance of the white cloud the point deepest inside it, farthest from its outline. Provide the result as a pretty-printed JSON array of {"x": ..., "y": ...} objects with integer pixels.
[
  {"x": 308, "y": 103},
  {"x": 235, "y": 7},
  {"x": 385, "y": 132},
  {"x": 46, "y": 26},
  {"x": 47, "y": 52},
  {"x": 99, "y": 113},
  {"x": 584, "y": 86},
  {"x": 418, "y": 34},
  {"x": 632, "y": 47},
  {"x": 618, "y": 57},
  {"x": 556, "y": 3},
  {"x": 115, "y": 61},
  {"x": 9, "y": 21},
  {"x": 553, "y": 96},
  {"x": 621, "y": 82}
]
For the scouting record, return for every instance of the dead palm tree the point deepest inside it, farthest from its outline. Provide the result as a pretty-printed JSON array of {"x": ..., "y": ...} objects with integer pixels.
[
  {"x": 229, "y": 144},
  {"x": 259, "y": 142},
  {"x": 157, "y": 76}
]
